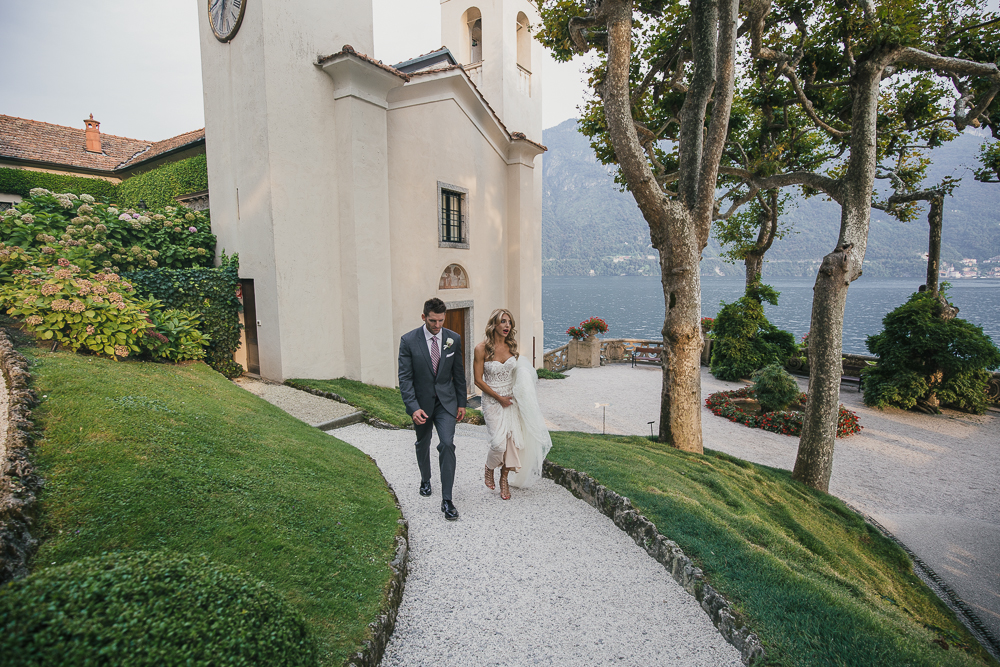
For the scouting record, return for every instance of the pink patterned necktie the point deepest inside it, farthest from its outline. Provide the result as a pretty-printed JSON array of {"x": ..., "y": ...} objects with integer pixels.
[{"x": 435, "y": 355}]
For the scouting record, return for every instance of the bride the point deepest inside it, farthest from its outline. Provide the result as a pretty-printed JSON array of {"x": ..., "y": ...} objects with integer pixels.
[{"x": 519, "y": 440}]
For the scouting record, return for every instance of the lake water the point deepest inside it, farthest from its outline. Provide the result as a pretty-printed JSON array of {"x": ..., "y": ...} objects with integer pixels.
[{"x": 633, "y": 305}]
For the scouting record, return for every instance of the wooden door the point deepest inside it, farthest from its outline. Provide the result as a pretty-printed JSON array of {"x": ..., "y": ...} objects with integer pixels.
[{"x": 455, "y": 320}]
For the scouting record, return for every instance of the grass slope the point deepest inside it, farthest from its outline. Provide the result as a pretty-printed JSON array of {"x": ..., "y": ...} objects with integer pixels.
[
  {"x": 151, "y": 456},
  {"x": 818, "y": 584}
]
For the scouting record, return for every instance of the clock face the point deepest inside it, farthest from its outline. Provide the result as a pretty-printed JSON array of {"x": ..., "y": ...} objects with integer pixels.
[{"x": 225, "y": 17}]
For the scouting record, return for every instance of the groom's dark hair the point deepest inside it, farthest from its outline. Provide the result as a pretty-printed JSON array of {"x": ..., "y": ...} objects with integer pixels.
[{"x": 434, "y": 305}]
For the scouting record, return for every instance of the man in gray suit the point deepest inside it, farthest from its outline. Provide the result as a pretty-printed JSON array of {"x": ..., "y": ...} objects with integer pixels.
[{"x": 432, "y": 382}]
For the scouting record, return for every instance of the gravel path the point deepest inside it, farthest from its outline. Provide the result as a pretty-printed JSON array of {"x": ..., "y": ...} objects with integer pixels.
[
  {"x": 541, "y": 579},
  {"x": 932, "y": 480}
]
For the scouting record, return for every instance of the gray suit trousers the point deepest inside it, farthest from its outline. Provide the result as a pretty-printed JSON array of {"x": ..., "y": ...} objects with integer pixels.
[{"x": 444, "y": 422}]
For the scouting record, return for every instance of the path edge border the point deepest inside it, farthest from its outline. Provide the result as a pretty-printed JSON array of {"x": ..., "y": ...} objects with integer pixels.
[
  {"x": 945, "y": 592},
  {"x": 381, "y": 629},
  {"x": 664, "y": 551},
  {"x": 19, "y": 483}
]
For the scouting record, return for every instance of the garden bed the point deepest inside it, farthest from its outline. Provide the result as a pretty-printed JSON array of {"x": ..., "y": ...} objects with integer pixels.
[{"x": 787, "y": 422}]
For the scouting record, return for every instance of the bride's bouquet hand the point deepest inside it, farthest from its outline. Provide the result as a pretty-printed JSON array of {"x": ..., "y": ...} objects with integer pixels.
[{"x": 506, "y": 401}]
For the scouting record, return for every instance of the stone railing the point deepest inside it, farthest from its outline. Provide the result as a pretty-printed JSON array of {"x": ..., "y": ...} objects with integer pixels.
[
  {"x": 613, "y": 351},
  {"x": 557, "y": 359},
  {"x": 19, "y": 484}
]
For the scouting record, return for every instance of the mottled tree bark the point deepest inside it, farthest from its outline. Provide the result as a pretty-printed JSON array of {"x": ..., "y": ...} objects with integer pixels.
[
  {"x": 767, "y": 221},
  {"x": 936, "y": 220}
]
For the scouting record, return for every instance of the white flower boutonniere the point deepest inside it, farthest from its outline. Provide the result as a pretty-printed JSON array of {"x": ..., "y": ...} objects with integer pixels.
[{"x": 448, "y": 343}]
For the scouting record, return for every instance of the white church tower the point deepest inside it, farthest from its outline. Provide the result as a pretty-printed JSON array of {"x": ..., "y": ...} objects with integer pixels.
[
  {"x": 353, "y": 190},
  {"x": 493, "y": 40}
]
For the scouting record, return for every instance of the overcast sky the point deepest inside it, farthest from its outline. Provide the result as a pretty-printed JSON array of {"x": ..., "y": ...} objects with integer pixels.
[{"x": 136, "y": 65}]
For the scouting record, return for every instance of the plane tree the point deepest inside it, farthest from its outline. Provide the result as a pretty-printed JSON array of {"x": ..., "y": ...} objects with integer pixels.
[{"x": 864, "y": 73}]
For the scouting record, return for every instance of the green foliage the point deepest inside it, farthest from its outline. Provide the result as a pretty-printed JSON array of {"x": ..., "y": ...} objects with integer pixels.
[
  {"x": 100, "y": 313},
  {"x": 785, "y": 422},
  {"x": 989, "y": 158},
  {"x": 921, "y": 354},
  {"x": 142, "y": 456},
  {"x": 175, "y": 335},
  {"x": 544, "y": 374},
  {"x": 745, "y": 340},
  {"x": 209, "y": 292},
  {"x": 158, "y": 187},
  {"x": 22, "y": 181},
  {"x": 79, "y": 228},
  {"x": 775, "y": 388},
  {"x": 149, "y": 608}
]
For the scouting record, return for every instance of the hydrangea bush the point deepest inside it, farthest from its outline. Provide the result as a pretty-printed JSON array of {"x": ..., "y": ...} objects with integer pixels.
[{"x": 96, "y": 235}]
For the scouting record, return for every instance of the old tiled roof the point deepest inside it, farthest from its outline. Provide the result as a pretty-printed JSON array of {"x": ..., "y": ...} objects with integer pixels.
[
  {"x": 349, "y": 50},
  {"x": 34, "y": 141}
]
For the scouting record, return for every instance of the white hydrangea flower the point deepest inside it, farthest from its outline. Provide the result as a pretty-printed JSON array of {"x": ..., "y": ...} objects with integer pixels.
[
  {"x": 144, "y": 220},
  {"x": 87, "y": 198},
  {"x": 35, "y": 192},
  {"x": 28, "y": 218},
  {"x": 71, "y": 196},
  {"x": 64, "y": 202},
  {"x": 112, "y": 210},
  {"x": 125, "y": 216}
]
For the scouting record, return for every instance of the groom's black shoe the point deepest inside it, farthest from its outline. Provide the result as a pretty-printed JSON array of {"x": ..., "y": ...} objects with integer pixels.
[
  {"x": 425, "y": 488},
  {"x": 449, "y": 510}
]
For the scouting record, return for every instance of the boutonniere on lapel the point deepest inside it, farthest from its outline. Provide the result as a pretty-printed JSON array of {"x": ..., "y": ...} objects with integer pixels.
[{"x": 448, "y": 343}]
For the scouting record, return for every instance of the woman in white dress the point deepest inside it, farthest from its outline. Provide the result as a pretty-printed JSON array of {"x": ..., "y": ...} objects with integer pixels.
[{"x": 519, "y": 440}]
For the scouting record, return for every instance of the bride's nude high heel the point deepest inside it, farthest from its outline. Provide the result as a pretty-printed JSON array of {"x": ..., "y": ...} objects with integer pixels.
[
  {"x": 504, "y": 488},
  {"x": 490, "y": 484}
]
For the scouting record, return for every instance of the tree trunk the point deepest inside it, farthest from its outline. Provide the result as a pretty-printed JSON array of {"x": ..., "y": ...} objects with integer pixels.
[
  {"x": 754, "y": 263},
  {"x": 935, "y": 220},
  {"x": 814, "y": 462}
]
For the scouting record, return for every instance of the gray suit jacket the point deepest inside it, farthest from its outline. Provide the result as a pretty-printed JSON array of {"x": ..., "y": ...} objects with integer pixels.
[{"x": 417, "y": 382}]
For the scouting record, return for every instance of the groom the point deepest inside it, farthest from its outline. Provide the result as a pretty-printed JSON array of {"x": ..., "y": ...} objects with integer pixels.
[{"x": 432, "y": 382}]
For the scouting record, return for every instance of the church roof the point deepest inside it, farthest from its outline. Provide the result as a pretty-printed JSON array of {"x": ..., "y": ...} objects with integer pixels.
[
  {"x": 349, "y": 50},
  {"x": 27, "y": 140},
  {"x": 435, "y": 59}
]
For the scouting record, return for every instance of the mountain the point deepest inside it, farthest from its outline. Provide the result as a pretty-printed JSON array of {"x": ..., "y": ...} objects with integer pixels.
[{"x": 588, "y": 224}]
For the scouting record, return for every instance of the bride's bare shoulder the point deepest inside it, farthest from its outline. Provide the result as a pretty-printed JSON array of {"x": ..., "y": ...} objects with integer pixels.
[{"x": 480, "y": 349}]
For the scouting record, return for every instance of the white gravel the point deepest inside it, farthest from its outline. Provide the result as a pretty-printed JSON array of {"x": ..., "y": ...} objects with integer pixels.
[
  {"x": 541, "y": 579},
  {"x": 933, "y": 480},
  {"x": 313, "y": 410}
]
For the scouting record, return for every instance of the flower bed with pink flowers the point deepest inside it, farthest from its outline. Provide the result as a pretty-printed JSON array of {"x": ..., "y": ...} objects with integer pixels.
[{"x": 787, "y": 422}]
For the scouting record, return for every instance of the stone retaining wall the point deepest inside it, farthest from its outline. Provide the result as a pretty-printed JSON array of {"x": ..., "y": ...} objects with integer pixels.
[
  {"x": 19, "y": 485},
  {"x": 665, "y": 552},
  {"x": 381, "y": 628}
]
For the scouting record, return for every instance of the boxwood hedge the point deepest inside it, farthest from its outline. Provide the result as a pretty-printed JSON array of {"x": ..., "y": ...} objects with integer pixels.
[{"x": 148, "y": 608}]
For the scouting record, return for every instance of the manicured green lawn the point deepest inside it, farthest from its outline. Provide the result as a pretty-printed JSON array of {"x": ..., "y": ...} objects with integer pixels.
[
  {"x": 818, "y": 585},
  {"x": 152, "y": 456},
  {"x": 385, "y": 404}
]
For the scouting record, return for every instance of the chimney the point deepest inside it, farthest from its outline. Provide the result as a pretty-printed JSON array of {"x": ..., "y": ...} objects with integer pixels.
[{"x": 93, "y": 135}]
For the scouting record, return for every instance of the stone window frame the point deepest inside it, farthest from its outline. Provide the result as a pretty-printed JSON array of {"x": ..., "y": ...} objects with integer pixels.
[{"x": 443, "y": 187}]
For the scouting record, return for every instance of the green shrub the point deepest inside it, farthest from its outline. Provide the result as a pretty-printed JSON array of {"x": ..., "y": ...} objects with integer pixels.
[
  {"x": 775, "y": 388},
  {"x": 922, "y": 355},
  {"x": 22, "y": 182},
  {"x": 745, "y": 340},
  {"x": 80, "y": 228},
  {"x": 160, "y": 186},
  {"x": 98, "y": 313},
  {"x": 175, "y": 335},
  {"x": 148, "y": 608},
  {"x": 208, "y": 292}
]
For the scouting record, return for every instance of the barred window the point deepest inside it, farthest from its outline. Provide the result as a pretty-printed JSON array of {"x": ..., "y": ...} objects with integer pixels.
[{"x": 453, "y": 216}]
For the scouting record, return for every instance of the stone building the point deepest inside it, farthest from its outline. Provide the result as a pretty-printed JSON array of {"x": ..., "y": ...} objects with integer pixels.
[{"x": 354, "y": 190}]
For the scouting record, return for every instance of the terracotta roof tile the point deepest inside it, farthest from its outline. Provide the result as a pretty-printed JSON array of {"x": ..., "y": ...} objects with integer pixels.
[
  {"x": 36, "y": 141},
  {"x": 349, "y": 50}
]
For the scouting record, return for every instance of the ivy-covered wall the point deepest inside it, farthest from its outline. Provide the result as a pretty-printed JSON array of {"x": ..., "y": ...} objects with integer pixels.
[
  {"x": 21, "y": 181},
  {"x": 159, "y": 187},
  {"x": 210, "y": 292}
]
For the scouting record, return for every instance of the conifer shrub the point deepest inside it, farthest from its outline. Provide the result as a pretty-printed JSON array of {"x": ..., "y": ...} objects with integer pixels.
[
  {"x": 148, "y": 608},
  {"x": 744, "y": 340},
  {"x": 775, "y": 388},
  {"x": 922, "y": 355}
]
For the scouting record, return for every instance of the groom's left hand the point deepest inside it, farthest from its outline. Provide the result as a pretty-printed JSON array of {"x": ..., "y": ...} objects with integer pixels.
[{"x": 461, "y": 414}]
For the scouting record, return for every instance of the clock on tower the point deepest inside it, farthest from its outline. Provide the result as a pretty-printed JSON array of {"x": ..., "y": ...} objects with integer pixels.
[{"x": 225, "y": 17}]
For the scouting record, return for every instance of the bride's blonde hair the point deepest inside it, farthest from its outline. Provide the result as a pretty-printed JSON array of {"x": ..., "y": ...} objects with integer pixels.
[{"x": 493, "y": 325}]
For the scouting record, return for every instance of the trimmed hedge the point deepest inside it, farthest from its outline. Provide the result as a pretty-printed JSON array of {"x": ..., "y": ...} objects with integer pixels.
[
  {"x": 21, "y": 181},
  {"x": 159, "y": 186},
  {"x": 148, "y": 608},
  {"x": 211, "y": 292}
]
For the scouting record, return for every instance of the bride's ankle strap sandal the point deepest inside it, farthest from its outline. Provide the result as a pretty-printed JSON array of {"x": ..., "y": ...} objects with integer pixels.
[
  {"x": 504, "y": 487},
  {"x": 490, "y": 484}
]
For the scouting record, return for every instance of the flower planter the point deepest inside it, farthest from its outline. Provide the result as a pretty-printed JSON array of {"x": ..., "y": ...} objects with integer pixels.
[{"x": 585, "y": 353}]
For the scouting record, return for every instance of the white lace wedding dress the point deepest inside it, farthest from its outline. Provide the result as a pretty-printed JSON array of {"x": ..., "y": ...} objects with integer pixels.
[{"x": 522, "y": 422}]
